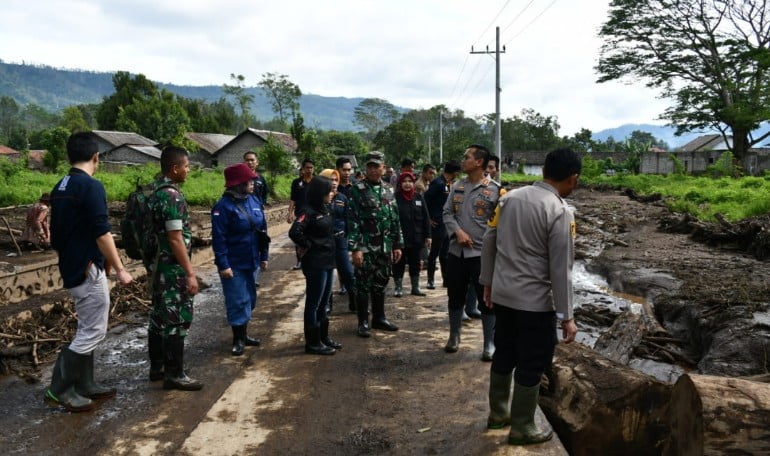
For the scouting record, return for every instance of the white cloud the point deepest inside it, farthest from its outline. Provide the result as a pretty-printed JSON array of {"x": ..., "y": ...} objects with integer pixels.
[{"x": 408, "y": 52}]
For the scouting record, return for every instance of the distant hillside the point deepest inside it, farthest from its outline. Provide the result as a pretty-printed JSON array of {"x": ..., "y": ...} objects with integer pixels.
[
  {"x": 55, "y": 89},
  {"x": 659, "y": 131},
  {"x": 667, "y": 134}
]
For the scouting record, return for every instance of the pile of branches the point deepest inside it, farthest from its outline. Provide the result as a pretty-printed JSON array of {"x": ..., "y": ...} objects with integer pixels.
[
  {"x": 749, "y": 235},
  {"x": 28, "y": 341}
]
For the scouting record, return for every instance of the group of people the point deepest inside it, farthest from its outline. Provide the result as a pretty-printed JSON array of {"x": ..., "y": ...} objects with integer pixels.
[
  {"x": 509, "y": 254},
  {"x": 505, "y": 258}
]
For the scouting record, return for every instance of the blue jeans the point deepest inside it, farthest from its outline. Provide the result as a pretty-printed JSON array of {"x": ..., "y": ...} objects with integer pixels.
[
  {"x": 344, "y": 267},
  {"x": 240, "y": 296},
  {"x": 318, "y": 288}
]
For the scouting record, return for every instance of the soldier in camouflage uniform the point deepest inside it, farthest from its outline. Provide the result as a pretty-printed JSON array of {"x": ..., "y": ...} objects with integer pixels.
[
  {"x": 172, "y": 279},
  {"x": 375, "y": 240}
]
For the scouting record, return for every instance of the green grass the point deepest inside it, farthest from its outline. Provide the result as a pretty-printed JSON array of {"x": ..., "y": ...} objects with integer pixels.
[{"x": 702, "y": 197}]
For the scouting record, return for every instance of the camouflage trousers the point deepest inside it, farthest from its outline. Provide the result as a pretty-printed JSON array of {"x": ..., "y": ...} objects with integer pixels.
[
  {"x": 172, "y": 307},
  {"x": 373, "y": 275}
]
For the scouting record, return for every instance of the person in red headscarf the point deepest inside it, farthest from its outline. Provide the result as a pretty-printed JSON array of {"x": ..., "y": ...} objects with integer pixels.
[
  {"x": 415, "y": 226},
  {"x": 238, "y": 238}
]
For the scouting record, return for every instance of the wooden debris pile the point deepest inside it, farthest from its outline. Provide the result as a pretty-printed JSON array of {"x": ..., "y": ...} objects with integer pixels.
[
  {"x": 34, "y": 336},
  {"x": 750, "y": 235}
]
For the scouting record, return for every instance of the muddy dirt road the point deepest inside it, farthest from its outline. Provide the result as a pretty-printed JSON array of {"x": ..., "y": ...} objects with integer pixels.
[{"x": 396, "y": 393}]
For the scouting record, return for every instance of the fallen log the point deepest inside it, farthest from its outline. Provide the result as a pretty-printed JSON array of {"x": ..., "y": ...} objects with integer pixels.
[
  {"x": 11, "y": 230},
  {"x": 719, "y": 415},
  {"x": 598, "y": 406},
  {"x": 626, "y": 334}
]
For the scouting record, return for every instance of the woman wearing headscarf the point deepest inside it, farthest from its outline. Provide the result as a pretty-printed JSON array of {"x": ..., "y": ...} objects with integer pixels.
[
  {"x": 415, "y": 226},
  {"x": 236, "y": 222},
  {"x": 339, "y": 210},
  {"x": 313, "y": 233}
]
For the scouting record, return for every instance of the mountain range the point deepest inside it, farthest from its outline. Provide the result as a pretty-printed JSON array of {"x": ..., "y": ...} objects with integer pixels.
[{"x": 55, "y": 89}]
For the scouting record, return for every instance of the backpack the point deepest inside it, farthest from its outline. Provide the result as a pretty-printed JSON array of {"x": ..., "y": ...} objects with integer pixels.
[{"x": 137, "y": 225}]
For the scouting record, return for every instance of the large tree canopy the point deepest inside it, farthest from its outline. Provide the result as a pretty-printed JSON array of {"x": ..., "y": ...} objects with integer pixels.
[
  {"x": 283, "y": 93},
  {"x": 710, "y": 56},
  {"x": 374, "y": 114}
]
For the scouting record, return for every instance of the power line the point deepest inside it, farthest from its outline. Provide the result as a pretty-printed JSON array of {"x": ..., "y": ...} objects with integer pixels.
[
  {"x": 493, "y": 21},
  {"x": 467, "y": 56},
  {"x": 523, "y": 10},
  {"x": 533, "y": 20}
]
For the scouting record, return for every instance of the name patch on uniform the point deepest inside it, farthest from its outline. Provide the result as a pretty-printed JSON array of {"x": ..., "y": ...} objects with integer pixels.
[{"x": 418, "y": 203}]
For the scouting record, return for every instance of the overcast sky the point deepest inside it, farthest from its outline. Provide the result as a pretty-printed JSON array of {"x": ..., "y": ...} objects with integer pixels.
[{"x": 413, "y": 53}]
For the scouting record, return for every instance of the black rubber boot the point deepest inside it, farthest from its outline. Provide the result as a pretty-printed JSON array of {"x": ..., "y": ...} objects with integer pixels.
[
  {"x": 313, "y": 344},
  {"x": 174, "y": 376},
  {"x": 455, "y": 328},
  {"x": 325, "y": 339},
  {"x": 352, "y": 301},
  {"x": 378, "y": 314},
  {"x": 415, "y": 280},
  {"x": 155, "y": 351},
  {"x": 362, "y": 303},
  {"x": 86, "y": 386},
  {"x": 431, "y": 275},
  {"x": 66, "y": 373},
  {"x": 250, "y": 341},
  {"x": 238, "y": 343}
]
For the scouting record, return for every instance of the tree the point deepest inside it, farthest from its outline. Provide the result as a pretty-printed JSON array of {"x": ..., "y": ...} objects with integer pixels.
[
  {"x": 374, "y": 114},
  {"x": 244, "y": 99},
  {"x": 9, "y": 117},
  {"x": 530, "y": 131},
  {"x": 160, "y": 117},
  {"x": 274, "y": 158},
  {"x": 710, "y": 56},
  {"x": 73, "y": 120},
  {"x": 643, "y": 137},
  {"x": 581, "y": 141},
  {"x": 283, "y": 93},
  {"x": 54, "y": 141},
  {"x": 128, "y": 90},
  {"x": 343, "y": 143},
  {"x": 398, "y": 140}
]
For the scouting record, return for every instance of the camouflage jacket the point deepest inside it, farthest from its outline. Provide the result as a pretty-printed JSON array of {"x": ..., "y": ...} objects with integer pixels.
[
  {"x": 373, "y": 224},
  {"x": 169, "y": 213}
]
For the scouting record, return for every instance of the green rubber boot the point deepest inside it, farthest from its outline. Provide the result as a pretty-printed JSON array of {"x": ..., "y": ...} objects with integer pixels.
[
  {"x": 524, "y": 430},
  {"x": 499, "y": 400},
  {"x": 86, "y": 386},
  {"x": 66, "y": 373}
]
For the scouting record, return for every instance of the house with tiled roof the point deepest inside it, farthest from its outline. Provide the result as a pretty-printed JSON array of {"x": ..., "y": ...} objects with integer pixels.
[
  {"x": 131, "y": 153},
  {"x": 700, "y": 153},
  {"x": 108, "y": 140},
  {"x": 9, "y": 153},
  {"x": 208, "y": 145},
  {"x": 249, "y": 140}
]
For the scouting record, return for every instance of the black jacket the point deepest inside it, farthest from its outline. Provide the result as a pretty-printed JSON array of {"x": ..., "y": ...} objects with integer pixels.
[
  {"x": 314, "y": 231},
  {"x": 415, "y": 221}
]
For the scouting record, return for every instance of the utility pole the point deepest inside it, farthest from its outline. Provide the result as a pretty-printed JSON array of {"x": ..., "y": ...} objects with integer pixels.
[
  {"x": 441, "y": 136},
  {"x": 496, "y": 52}
]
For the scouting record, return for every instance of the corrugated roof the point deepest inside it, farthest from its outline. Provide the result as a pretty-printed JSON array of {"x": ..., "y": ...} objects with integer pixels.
[
  {"x": 701, "y": 142},
  {"x": 119, "y": 138},
  {"x": 209, "y": 142},
  {"x": 287, "y": 140},
  {"x": 152, "y": 151}
]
